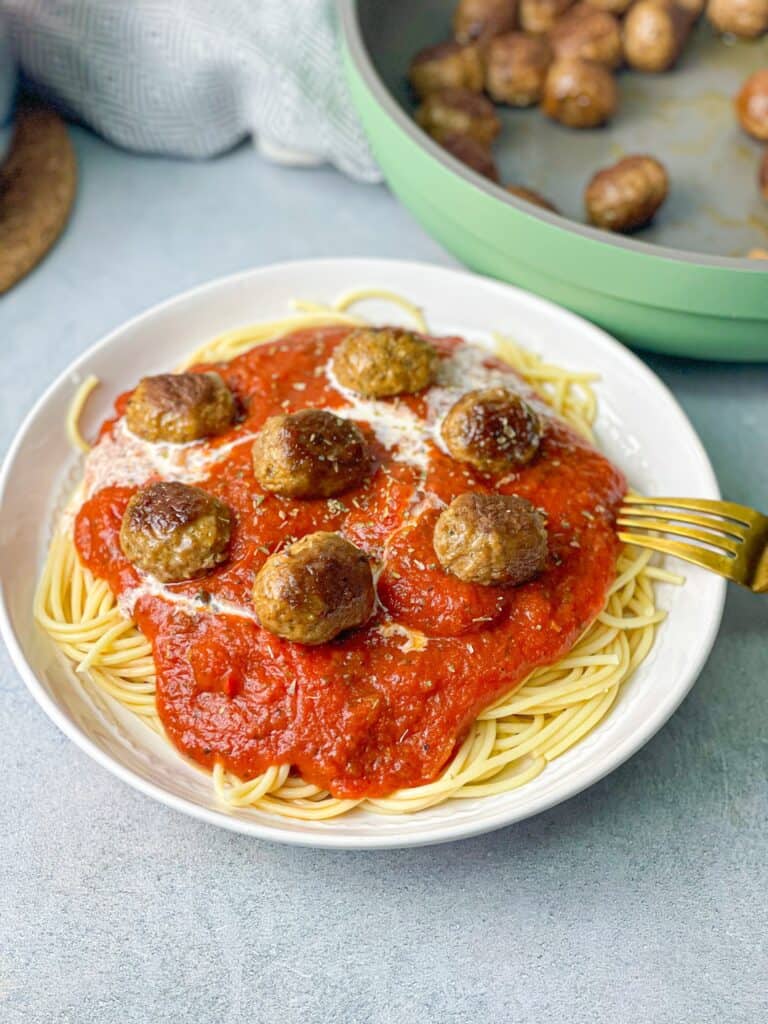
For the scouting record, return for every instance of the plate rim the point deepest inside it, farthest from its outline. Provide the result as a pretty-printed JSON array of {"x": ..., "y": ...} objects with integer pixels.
[{"x": 330, "y": 840}]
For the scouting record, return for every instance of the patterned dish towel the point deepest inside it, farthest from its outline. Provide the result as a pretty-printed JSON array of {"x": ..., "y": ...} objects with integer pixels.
[
  {"x": 191, "y": 78},
  {"x": 7, "y": 88}
]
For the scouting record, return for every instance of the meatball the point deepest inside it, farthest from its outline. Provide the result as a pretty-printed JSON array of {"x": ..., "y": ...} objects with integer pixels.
[
  {"x": 472, "y": 153},
  {"x": 762, "y": 176},
  {"x": 174, "y": 531},
  {"x": 445, "y": 66},
  {"x": 494, "y": 430},
  {"x": 515, "y": 69},
  {"x": 492, "y": 539},
  {"x": 626, "y": 196},
  {"x": 614, "y": 6},
  {"x": 483, "y": 19},
  {"x": 180, "y": 407},
  {"x": 380, "y": 362},
  {"x": 579, "y": 94},
  {"x": 694, "y": 7},
  {"x": 655, "y": 32},
  {"x": 752, "y": 105},
  {"x": 310, "y": 454},
  {"x": 314, "y": 589},
  {"x": 588, "y": 34},
  {"x": 532, "y": 196},
  {"x": 757, "y": 254},
  {"x": 459, "y": 112},
  {"x": 539, "y": 16},
  {"x": 745, "y": 18}
]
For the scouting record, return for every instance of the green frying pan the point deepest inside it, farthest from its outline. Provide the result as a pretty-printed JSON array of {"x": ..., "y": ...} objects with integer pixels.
[{"x": 677, "y": 287}]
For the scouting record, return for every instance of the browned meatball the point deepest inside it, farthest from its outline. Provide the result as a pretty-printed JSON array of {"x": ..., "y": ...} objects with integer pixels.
[
  {"x": 515, "y": 69},
  {"x": 446, "y": 66},
  {"x": 539, "y": 16},
  {"x": 310, "y": 454},
  {"x": 491, "y": 539},
  {"x": 588, "y": 34},
  {"x": 626, "y": 196},
  {"x": 752, "y": 105},
  {"x": 762, "y": 176},
  {"x": 483, "y": 19},
  {"x": 745, "y": 18},
  {"x": 459, "y": 112},
  {"x": 494, "y": 430},
  {"x": 314, "y": 589},
  {"x": 380, "y": 362},
  {"x": 579, "y": 94},
  {"x": 694, "y": 7},
  {"x": 174, "y": 531},
  {"x": 180, "y": 407},
  {"x": 614, "y": 6},
  {"x": 654, "y": 34},
  {"x": 472, "y": 153},
  {"x": 532, "y": 196}
]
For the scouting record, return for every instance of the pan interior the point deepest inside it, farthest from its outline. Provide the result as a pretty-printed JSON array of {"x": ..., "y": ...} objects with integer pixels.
[{"x": 684, "y": 117}]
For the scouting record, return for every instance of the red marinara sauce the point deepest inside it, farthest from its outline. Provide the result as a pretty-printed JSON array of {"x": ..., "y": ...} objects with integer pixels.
[{"x": 360, "y": 716}]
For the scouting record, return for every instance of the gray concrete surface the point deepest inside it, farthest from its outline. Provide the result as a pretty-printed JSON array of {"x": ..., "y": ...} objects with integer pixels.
[{"x": 642, "y": 900}]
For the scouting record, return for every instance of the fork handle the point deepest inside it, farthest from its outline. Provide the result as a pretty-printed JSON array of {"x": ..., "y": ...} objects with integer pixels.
[{"x": 760, "y": 586}]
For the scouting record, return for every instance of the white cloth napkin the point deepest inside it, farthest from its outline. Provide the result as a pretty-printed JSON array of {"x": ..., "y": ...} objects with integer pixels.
[{"x": 192, "y": 77}]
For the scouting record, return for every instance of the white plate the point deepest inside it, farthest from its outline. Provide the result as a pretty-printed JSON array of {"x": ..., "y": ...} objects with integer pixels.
[{"x": 641, "y": 427}]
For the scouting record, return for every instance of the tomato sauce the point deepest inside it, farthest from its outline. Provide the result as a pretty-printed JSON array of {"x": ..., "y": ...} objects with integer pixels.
[{"x": 368, "y": 713}]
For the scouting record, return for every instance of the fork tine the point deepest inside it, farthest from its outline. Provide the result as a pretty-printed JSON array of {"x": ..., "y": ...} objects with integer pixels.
[
  {"x": 679, "y": 530},
  {"x": 723, "y": 509},
  {"x": 718, "y": 526},
  {"x": 720, "y": 564}
]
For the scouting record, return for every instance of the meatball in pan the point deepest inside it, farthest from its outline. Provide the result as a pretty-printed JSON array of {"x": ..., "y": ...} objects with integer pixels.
[
  {"x": 588, "y": 34},
  {"x": 516, "y": 67},
  {"x": 617, "y": 7},
  {"x": 539, "y": 16},
  {"x": 530, "y": 195},
  {"x": 579, "y": 93},
  {"x": 474, "y": 154},
  {"x": 483, "y": 19},
  {"x": 694, "y": 7},
  {"x": 655, "y": 32},
  {"x": 458, "y": 112},
  {"x": 626, "y": 196},
  {"x": 747, "y": 19},
  {"x": 752, "y": 105},
  {"x": 448, "y": 65}
]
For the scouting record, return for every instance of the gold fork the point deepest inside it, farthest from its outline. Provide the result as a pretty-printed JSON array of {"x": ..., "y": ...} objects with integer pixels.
[{"x": 731, "y": 540}]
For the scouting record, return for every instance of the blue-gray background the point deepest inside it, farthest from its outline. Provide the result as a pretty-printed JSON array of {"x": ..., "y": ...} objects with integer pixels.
[{"x": 643, "y": 899}]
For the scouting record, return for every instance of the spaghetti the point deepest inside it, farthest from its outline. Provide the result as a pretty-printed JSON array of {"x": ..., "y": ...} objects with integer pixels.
[{"x": 510, "y": 742}]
